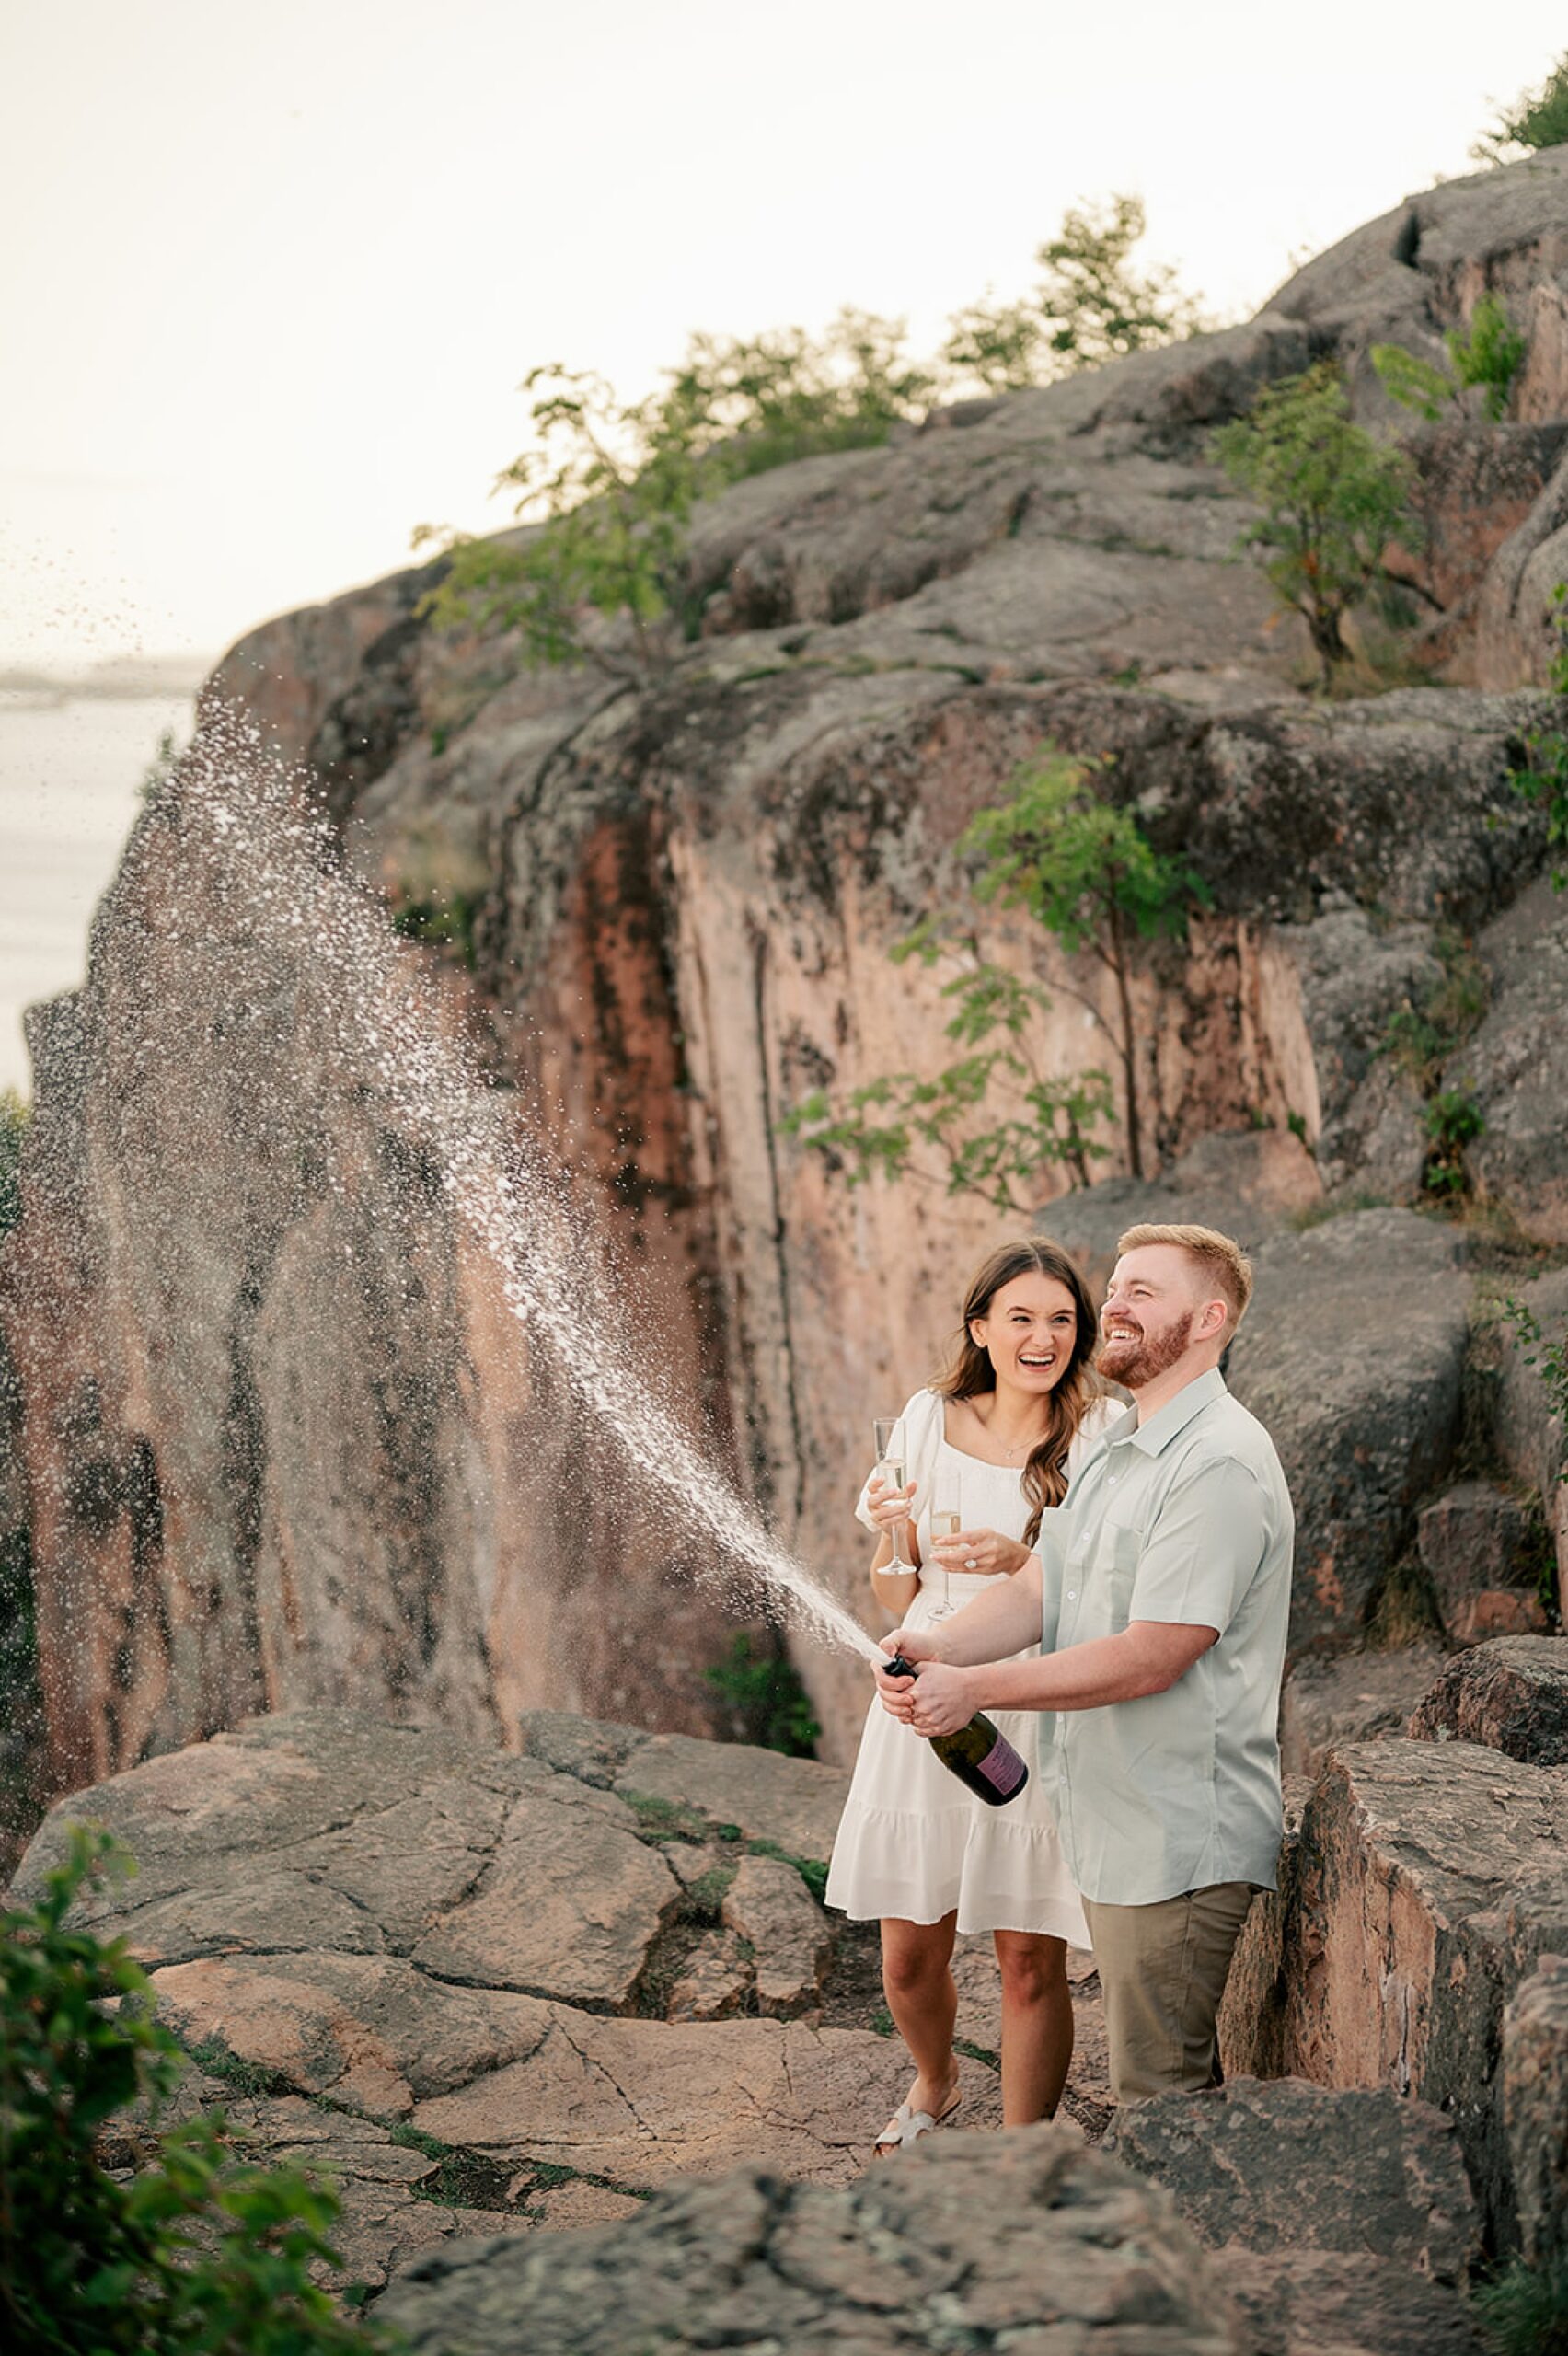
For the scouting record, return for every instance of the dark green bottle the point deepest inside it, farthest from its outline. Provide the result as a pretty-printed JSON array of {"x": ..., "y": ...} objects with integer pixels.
[{"x": 979, "y": 1754}]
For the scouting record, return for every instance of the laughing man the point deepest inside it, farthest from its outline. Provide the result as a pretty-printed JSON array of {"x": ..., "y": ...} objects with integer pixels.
[{"x": 1162, "y": 1586}]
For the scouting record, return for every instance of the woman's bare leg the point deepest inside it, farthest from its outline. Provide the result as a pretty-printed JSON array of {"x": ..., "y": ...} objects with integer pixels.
[
  {"x": 1037, "y": 2025},
  {"x": 923, "y": 2000}
]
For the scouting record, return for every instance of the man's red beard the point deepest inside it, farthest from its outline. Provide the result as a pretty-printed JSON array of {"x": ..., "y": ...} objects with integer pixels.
[{"x": 1134, "y": 1364}]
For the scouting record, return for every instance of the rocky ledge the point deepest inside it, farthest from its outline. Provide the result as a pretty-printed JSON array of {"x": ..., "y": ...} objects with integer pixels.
[
  {"x": 496, "y": 1995},
  {"x": 498, "y": 1992}
]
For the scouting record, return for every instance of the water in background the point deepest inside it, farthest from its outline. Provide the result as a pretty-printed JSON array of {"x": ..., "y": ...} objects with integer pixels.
[{"x": 70, "y": 775}]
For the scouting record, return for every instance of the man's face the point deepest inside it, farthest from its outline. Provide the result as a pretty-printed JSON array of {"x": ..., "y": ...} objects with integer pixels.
[{"x": 1149, "y": 1314}]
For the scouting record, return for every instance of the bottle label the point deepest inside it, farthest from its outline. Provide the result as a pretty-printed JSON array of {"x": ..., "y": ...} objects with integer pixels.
[{"x": 1003, "y": 1768}]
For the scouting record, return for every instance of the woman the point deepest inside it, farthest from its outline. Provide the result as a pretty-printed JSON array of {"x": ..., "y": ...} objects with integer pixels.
[{"x": 1009, "y": 1421}]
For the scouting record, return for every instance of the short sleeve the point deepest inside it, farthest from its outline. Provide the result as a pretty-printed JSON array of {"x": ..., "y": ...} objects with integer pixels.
[
  {"x": 1205, "y": 1548},
  {"x": 923, "y": 1420}
]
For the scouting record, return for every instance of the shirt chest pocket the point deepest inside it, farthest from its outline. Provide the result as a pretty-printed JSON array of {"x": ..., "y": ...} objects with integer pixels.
[{"x": 1113, "y": 1570}]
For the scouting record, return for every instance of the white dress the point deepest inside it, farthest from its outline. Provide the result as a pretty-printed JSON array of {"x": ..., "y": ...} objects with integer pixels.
[{"x": 912, "y": 1841}]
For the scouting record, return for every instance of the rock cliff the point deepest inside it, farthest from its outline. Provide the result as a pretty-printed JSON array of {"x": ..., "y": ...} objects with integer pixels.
[{"x": 279, "y": 1444}]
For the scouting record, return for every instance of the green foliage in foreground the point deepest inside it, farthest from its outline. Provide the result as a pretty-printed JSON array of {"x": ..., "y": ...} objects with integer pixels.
[
  {"x": 1083, "y": 868},
  {"x": 1537, "y": 119},
  {"x": 1524, "y": 2312},
  {"x": 199, "y": 2254},
  {"x": 763, "y": 1689},
  {"x": 1545, "y": 780},
  {"x": 1332, "y": 499},
  {"x": 1550, "y": 1358}
]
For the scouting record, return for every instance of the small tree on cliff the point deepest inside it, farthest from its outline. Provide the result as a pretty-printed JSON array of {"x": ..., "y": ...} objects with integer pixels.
[
  {"x": 1084, "y": 871},
  {"x": 608, "y": 486},
  {"x": 1333, "y": 500},
  {"x": 1091, "y": 304}
]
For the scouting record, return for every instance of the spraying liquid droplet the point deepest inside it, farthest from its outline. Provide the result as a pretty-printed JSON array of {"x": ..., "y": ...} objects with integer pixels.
[{"x": 277, "y": 852}]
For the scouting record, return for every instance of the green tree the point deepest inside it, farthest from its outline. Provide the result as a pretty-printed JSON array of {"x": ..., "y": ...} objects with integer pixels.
[
  {"x": 607, "y": 487},
  {"x": 1086, "y": 873},
  {"x": 1091, "y": 304},
  {"x": 1537, "y": 119},
  {"x": 199, "y": 2254},
  {"x": 1490, "y": 352},
  {"x": 1333, "y": 500}
]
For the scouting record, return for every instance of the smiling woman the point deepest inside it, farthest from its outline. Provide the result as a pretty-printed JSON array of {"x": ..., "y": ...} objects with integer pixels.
[{"x": 993, "y": 1441}]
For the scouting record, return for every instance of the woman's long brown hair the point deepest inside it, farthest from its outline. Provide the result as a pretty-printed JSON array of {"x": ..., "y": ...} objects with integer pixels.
[{"x": 969, "y": 1371}]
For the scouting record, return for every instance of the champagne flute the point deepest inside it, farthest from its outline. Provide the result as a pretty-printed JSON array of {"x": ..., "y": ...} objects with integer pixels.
[
  {"x": 887, "y": 1433},
  {"x": 947, "y": 1520}
]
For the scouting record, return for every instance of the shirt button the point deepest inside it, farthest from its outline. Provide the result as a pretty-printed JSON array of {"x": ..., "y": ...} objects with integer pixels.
[{"x": 1072, "y": 1595}]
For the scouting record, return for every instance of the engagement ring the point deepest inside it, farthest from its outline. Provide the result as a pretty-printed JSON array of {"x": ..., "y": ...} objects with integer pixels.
[{"x": 970, "y": 1563}]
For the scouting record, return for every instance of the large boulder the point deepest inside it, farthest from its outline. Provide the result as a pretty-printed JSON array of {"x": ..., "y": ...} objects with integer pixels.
[
  {"x": 1516, "y": 1067},
  {"x": 1535, "y": 2106},
  {"x": 1343, "y": 2218},
  {"x": 1531, "y": 1436},
  {"x": 1027, "y": 2242},
  {"x": 1353, "y": 1354},
  {"x": 1332, "y": 1699},
  {"x": 1427, "y": 1882},
  {"x": 1511, "y": 1695},
  {"x": 1480, "y": 1548},
  {"x": 1270, "y": 2165}
]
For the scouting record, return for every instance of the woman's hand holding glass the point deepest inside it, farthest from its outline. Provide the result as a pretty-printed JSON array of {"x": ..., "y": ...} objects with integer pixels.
[
  {"x": 889, "y": 1508},
  {"x": 985, "y": 1552}
]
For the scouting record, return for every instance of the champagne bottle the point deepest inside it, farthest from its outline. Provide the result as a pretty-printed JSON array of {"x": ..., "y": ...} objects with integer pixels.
[{"x": 979, "y": 1754}]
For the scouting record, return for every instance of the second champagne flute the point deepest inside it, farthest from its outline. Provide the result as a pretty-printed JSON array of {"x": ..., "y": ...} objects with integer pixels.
[
  {"x": 887, "y": 1433},
  {"x": 947, "y": 1520}
]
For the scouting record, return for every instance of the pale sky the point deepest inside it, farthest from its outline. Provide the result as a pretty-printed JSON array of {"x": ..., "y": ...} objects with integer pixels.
[{"x": 272, "y": 274}]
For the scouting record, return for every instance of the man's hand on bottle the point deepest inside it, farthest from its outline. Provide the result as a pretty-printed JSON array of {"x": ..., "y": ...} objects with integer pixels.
[{"x": 934, "y": 1702}]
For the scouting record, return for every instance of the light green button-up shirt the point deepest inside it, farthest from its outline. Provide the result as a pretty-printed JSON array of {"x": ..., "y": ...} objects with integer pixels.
[{"x": 1184, "y": 1518}]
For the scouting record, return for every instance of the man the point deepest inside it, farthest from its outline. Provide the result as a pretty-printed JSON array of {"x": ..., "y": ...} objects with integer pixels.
[{"x": 1163, "y": 1593}]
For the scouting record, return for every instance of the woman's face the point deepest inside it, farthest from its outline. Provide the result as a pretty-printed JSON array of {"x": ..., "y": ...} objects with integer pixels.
[{"x": 1028, "y": 1328}]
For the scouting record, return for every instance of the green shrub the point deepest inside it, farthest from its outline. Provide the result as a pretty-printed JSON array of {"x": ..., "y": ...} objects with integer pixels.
[
  {"x": 1524, "y": 2312},
  {"x": 199, "y": 2254},
  {"x": 1452, "y": 1120},
  {"x": 1491, "y": 352},
  {"x": 763, "y": 1689},
  {"x": 1332, "y": 500}
]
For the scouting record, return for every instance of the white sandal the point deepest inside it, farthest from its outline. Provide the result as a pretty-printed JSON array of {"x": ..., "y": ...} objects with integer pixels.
[{"x": 907, "y": 2126}]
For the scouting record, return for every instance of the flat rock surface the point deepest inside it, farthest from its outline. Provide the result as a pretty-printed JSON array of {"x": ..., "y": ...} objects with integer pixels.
[
  {"x": 1027, "y": 2242},
  {"x": 1511, "y": 1695},
  {"x": 1270, "y": 2165},
  {"x": 1353, "y": 1354},
  {"x": 794, "y": 1803},
  {"x": 569, "y": 1905}
]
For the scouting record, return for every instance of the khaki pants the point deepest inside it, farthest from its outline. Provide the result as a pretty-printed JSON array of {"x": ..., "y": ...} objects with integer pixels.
[{"x": 1163, "y": 1969}]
